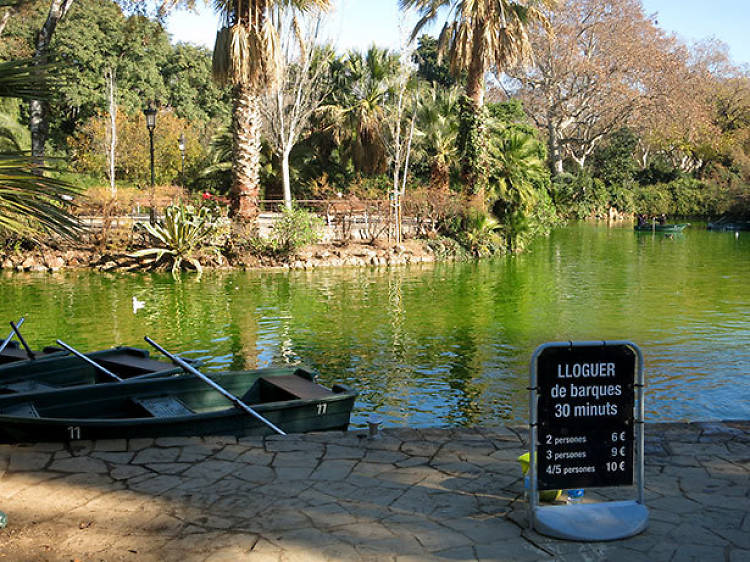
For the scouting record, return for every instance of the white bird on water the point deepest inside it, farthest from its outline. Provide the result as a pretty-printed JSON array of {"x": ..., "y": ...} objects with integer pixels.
[{"x": 137, "y": 305}]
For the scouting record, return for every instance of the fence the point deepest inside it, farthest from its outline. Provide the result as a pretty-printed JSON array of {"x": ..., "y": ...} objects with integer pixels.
[{"x": 345, "y": 219}]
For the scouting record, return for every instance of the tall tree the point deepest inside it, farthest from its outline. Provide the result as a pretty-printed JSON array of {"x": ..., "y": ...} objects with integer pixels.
[
  {"x": 605, "y": 65},
  {"x": 246, "y": 56},
  {"x": 38, "y": 108},
  {"x": 300, "y": 90},
  {"x": 479, "y": 36}
]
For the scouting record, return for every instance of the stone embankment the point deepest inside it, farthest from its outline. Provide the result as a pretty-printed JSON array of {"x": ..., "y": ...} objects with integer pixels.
[
  {"x": 321, "y": 255},
  {"x": 411, "y": 495}
]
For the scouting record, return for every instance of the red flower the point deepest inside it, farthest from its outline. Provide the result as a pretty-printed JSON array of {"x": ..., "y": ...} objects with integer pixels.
[{"x": 206, "y": 195}]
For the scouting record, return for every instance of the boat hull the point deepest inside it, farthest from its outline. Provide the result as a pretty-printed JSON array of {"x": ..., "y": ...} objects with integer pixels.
[
  {"x": 173, "y": 407},
  {"x": 59, "y": 371},
  {"x": 661, "y": 227}
]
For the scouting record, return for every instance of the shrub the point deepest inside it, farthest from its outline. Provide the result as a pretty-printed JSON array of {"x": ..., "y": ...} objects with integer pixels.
[{"x": 296, "y": 228}]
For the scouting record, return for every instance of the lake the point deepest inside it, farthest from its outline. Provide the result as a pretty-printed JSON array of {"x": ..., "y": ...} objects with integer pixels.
[{"x": 439, "y": 344}]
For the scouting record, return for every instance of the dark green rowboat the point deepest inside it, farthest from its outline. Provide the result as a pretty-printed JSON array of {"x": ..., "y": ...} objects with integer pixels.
[
  {"x": 661, "y": 227},
  {"x": 177, "y": 406},
  {"x": 13, "y": 353},
  {"x": 62, "y": 370}
]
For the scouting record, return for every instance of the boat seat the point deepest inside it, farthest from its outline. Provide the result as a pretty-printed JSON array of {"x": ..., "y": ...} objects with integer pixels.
[
  {"x": 143, "y": 364},
  {"x": 22, "y": 410},
  {"x": 164, "y": 406},
  {"x": 299, "y": 387},
  {"x": 27, "y": 386}
]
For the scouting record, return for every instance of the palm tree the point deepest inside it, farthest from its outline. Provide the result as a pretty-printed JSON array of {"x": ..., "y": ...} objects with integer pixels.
[
  {"x": 438, "y": 130},
  {"x": 480, "y": 35},
  {"x": 520, "y": 173},
  {"x": 246, "y": 56},
  {"x": 29, "y": 201},
  {"x": 356, "y": 113}
]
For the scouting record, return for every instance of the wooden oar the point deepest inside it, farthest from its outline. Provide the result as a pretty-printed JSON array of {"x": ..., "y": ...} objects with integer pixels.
[
  {"x": 193, "y": 371},
  {"x": 89, "y": 361},
  {"x": 10, "y": 336},
  {"x": 23, "y": 341}
]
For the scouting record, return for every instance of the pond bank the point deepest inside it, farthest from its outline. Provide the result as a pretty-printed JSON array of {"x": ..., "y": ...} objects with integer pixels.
[
  {"x": 413, "y": 494},
  {"x": 379, "y": 253}
]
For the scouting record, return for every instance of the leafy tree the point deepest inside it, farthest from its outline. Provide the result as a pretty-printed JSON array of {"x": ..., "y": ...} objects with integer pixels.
[
  {"x": 190, "y": 89},
  {"x": 614, "y": 162},
  {"x": 428, "y": 67}
]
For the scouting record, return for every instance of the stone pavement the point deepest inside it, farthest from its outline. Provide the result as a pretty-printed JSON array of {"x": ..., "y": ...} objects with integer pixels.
[{"x": 413, "y": 494}]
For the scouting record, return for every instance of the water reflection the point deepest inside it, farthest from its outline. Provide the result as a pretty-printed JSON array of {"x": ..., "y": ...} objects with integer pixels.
[{"x": 447, "y": 344}]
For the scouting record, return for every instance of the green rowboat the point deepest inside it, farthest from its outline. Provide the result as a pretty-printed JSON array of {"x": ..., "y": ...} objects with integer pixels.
[
  {"x": 667, "y": 228},
  {"x": 13, "y": 352},
  {"x": 177, "y": 406},
  {"x": 60, "y": 370}
]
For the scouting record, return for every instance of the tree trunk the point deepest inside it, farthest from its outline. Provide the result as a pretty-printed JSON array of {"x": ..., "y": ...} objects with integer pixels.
[
  {"x": 285, "y": 177},
  {"x": 475, "y": 75},
  {"x": 555, "y": 155},
  {"x": 471, "y": 143},
  {"x": 38, "y": 109},
  {"x": 6, "y": 16},
  {"x": 113, "y": 130},
  {"x": 246, "y": 127}
]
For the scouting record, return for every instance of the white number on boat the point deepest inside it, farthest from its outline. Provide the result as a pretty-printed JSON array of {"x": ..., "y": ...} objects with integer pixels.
[
  {"x": 74, "y": 432},
  {"x": 322, "y": 407}
]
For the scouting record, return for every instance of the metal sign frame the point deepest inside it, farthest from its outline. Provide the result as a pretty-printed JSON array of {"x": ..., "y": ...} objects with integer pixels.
[{"x": 589, "y": 522}]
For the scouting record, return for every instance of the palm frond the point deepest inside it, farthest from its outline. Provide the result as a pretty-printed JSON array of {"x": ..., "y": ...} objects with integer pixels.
[{"x": 30, "y": 202}]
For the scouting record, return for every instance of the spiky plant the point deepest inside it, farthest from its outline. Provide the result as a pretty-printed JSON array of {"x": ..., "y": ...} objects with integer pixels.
[{"x": 181, "y": 233}]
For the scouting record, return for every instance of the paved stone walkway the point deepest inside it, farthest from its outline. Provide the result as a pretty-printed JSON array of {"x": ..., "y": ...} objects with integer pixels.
[{"x": 426, "y": 494}]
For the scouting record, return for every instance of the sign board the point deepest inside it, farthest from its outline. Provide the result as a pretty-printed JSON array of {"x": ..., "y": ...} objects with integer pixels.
[
  {"x": 586, "y": 420},
  {"x": 585, "y": 416}
]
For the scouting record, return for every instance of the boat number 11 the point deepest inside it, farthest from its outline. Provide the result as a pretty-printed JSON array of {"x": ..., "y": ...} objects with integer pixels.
[
  {"x": 322, "y": 407},
  {"x": 74, "y": 432}
]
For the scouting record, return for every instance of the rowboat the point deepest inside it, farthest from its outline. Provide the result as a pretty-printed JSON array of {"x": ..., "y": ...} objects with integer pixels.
[
  {"x": 13, "y": 353},
  {"x": 661, "y": 227},
  {"x": 60, "y": 370},
  {"x": 177, "y": 406}
]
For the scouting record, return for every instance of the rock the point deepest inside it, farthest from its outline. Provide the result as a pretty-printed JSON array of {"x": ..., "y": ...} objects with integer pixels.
[
  {"x": 54, "y": 263},
  {"x": 28, "y": 263},
  {"x": 7, "y": 264}
]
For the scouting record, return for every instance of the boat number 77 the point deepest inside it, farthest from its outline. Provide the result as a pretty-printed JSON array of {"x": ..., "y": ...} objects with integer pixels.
[
  {"x": 322, "y": 407},
  {"x": 74, "y": 432}
]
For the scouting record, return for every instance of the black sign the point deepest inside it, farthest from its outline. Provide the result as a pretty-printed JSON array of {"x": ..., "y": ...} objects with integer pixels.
[{"x": 585, "y": 416}]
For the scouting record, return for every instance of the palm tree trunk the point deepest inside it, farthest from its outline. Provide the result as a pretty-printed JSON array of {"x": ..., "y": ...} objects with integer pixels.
[
  {"x": 471, "y": 143},
  {"x": 38, "y": 109},
  {"x": 246, "y": 119},
  {"x": 475, "y": 75}
]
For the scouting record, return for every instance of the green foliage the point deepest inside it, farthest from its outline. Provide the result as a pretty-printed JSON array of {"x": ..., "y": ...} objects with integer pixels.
[
  {"x": 295, "y": 229},
  {"x": 445, "y": 247},
  {"x": 613, "y": 162},
  {"x": 428, "y": 67},
  {"x": 182, "y": 232},
  {"x": 96, "y": 36},
  {"x": 580, "y": 197}
]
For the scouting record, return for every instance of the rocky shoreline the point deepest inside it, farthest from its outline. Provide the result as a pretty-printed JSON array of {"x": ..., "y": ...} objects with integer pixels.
[{"x": 380, "y": 253}]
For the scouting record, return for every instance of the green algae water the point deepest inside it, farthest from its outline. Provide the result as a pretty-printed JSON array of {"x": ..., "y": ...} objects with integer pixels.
[{"x": 439, "y": 344}]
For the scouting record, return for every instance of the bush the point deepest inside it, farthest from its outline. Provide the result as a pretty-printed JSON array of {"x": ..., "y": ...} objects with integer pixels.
[{"x": 295, "y": 229}]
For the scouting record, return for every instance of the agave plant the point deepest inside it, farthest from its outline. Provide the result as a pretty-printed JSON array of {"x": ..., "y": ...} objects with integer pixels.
[{"x": 182, "y": 231}]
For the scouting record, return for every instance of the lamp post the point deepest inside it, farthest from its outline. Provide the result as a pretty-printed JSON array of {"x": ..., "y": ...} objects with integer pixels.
[
  {"x": 181, "y": 144},
  {"x": 150, "y": 113}
]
